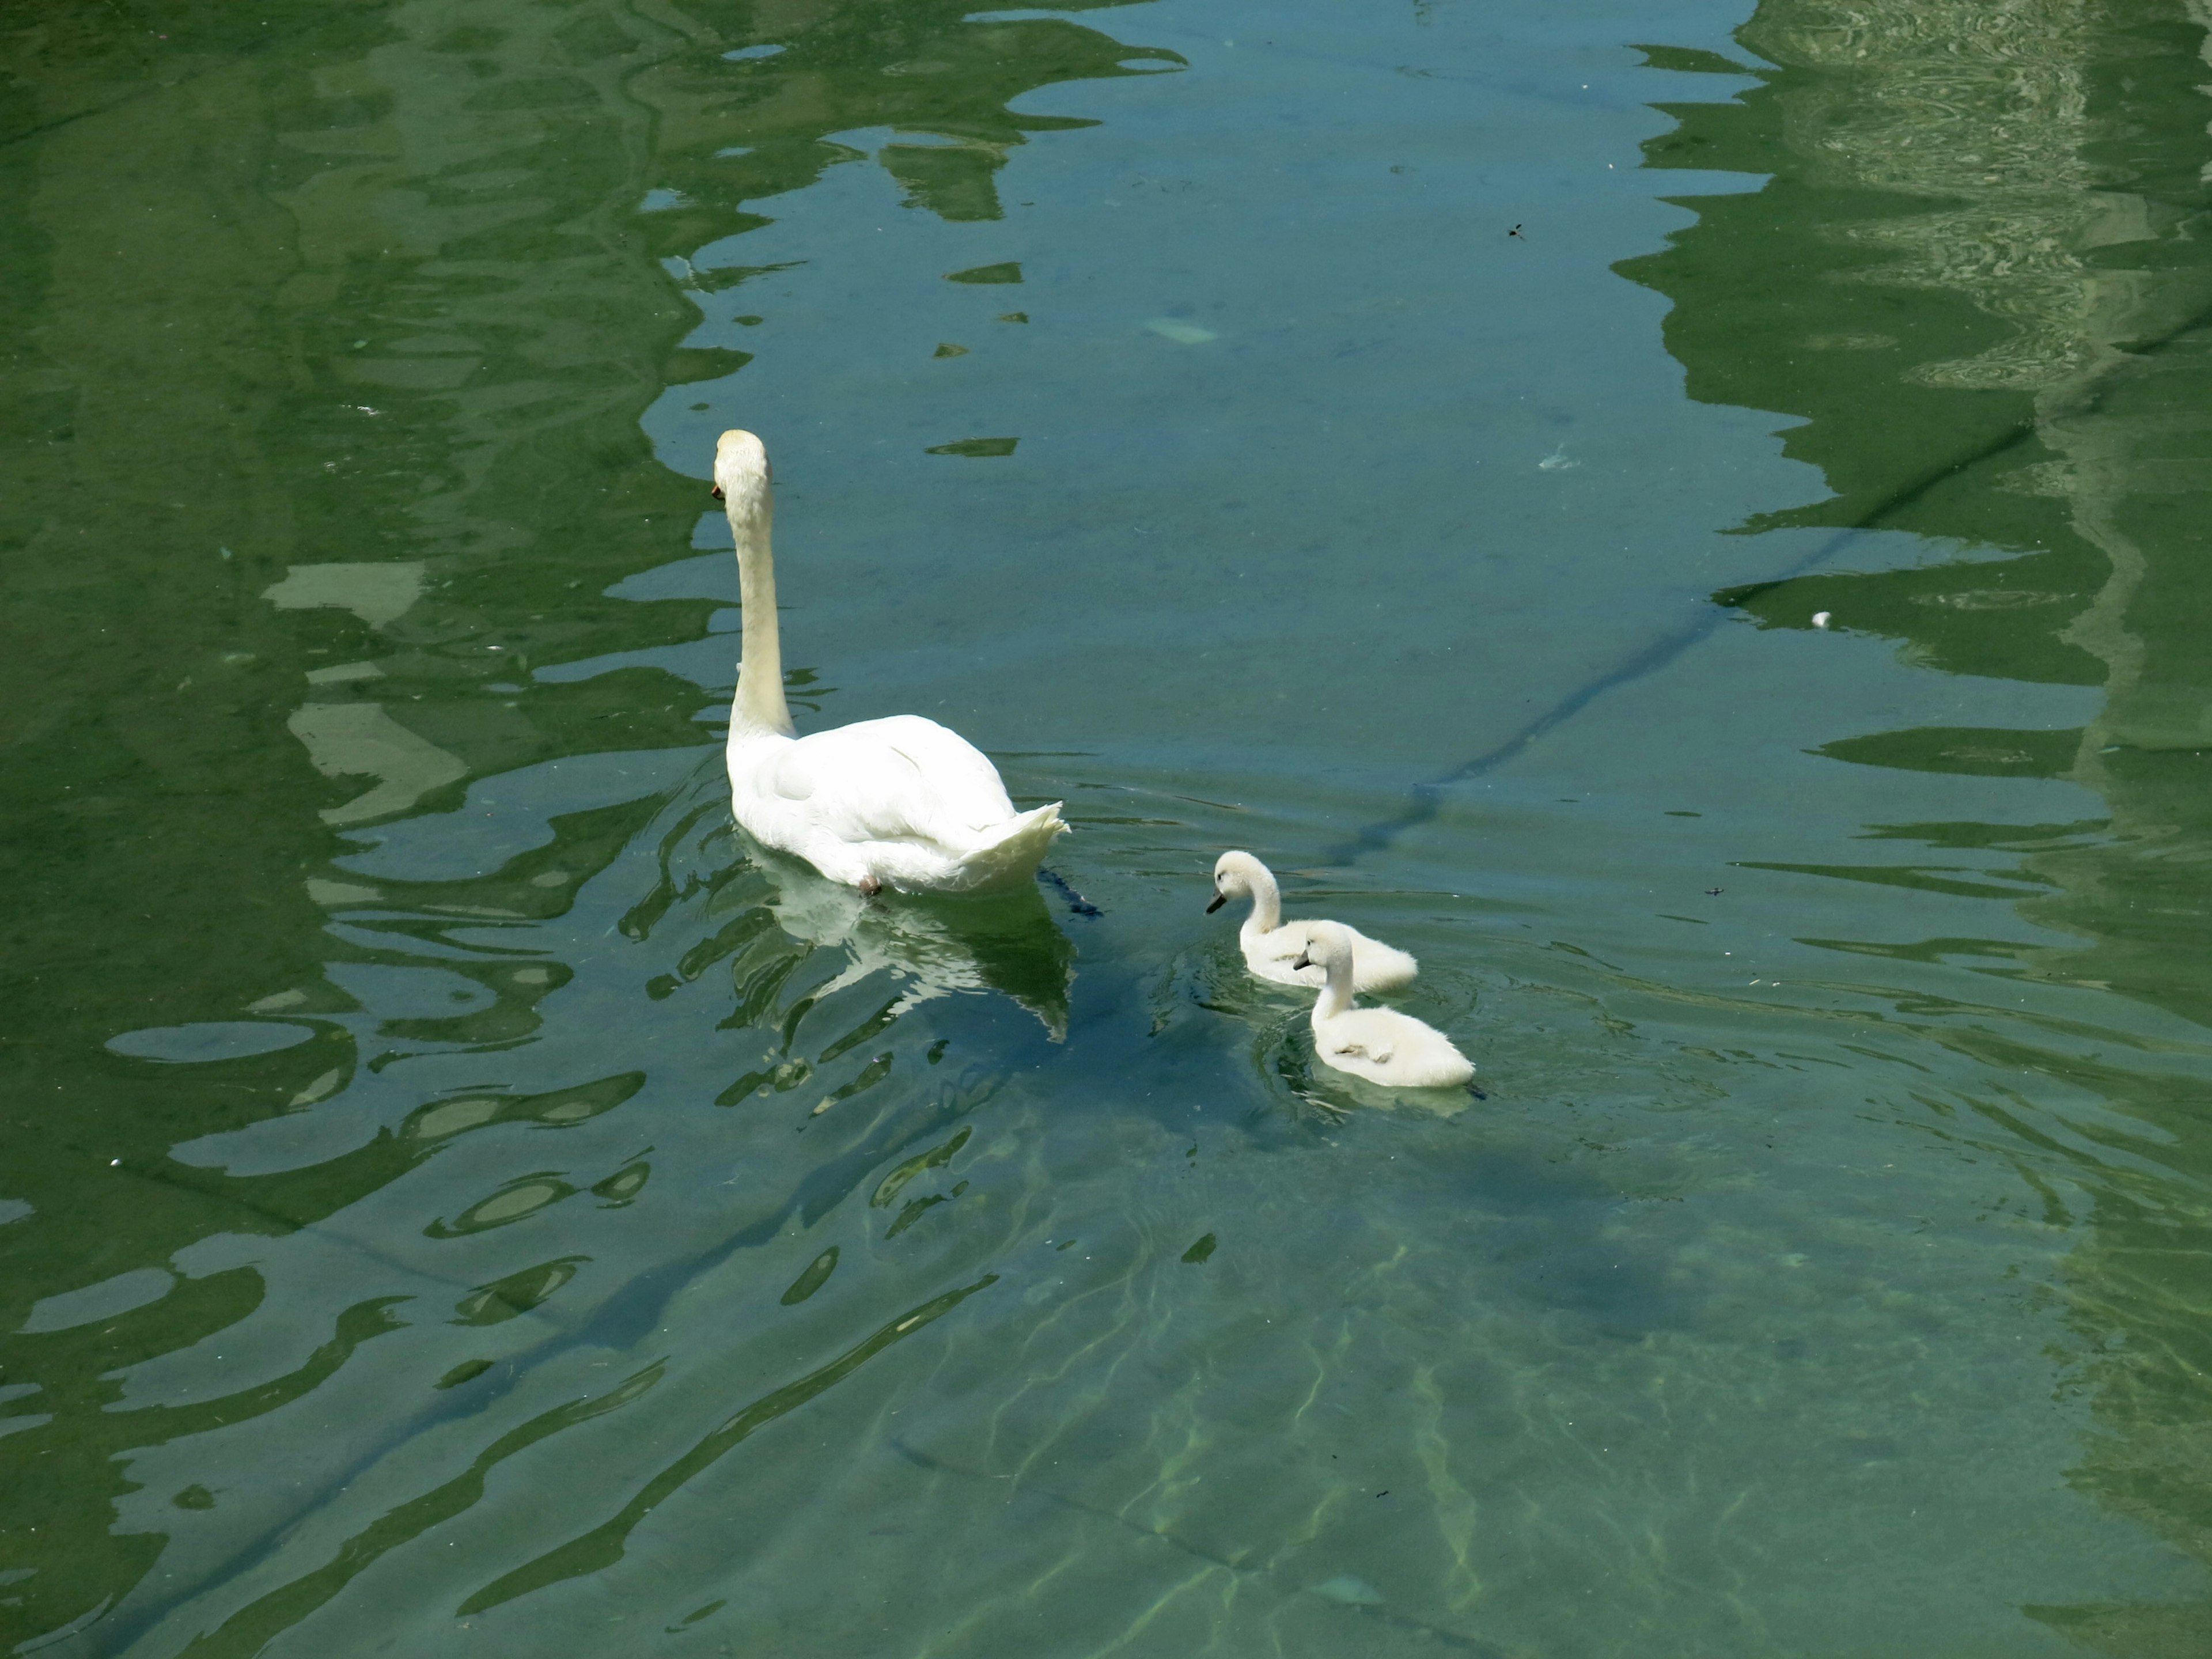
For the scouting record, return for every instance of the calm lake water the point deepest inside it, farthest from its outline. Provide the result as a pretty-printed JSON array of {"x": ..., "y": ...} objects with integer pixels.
[{"x": 1691, "y": 519}]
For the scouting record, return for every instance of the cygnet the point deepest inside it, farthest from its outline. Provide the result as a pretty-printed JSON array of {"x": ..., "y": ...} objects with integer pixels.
[
  {"x": 1271, "y": 946},
  {"x": 1380, "y": 1044}
]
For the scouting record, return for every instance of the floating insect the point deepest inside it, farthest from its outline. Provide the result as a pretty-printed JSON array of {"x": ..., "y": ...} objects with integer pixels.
[
  {"x": 1715, "y": 892},
  {"x": 1515, "y": 232}
]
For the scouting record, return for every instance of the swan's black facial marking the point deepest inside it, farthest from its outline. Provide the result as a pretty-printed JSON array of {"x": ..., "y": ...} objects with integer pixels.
[{"x": 1219, "y": 899}]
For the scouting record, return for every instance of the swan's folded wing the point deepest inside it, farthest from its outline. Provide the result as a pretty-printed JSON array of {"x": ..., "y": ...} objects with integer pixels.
[
  {"x": 791, "y": 776},
  {"x": 1374, "y": 1042},
  {"x": 900, "y": 779}
]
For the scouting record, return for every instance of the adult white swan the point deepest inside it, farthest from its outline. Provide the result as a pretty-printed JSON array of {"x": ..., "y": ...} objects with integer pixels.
[
  {"x": 1380, "y": 1044},
  {"x": 900, "y": 802},
  {"x": 1272, "y": 946}
]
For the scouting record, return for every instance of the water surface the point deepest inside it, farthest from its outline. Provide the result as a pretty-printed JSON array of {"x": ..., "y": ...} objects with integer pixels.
[{"x": 459, "y": 1198}]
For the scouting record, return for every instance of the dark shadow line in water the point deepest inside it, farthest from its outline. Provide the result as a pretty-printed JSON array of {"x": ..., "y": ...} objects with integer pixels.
[
  {"x": 268, "y": 1615},
  {"x": 157, "y": 1425},
  {"x": 215, "y": 1186},
  {"x": 1448, "y": 1637},
  {"x": 606, "y": 1544},
  {"x": 254, "y": 1626},
  {"x": 626, "y": 1317},
  {"x": 2151, "y": 347},
  {"x": 1426, "y": 797},
  {"x": 646, "y": 1298}
]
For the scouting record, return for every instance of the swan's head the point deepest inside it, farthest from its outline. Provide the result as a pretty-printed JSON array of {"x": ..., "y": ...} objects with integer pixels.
[
  {"x": 1233, "y": 875},
  {"x": 1328, "y": 942},
  {"x": 742, "y": 474}
]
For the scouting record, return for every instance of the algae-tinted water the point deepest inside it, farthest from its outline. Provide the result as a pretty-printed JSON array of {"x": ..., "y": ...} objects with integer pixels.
[{"x": 1691, "y": 523}]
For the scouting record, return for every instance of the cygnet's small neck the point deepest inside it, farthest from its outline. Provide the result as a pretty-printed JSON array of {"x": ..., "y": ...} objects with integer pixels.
[
  {"x": 1266, "y": 904},
  {"x": 1335, "y": 996}
]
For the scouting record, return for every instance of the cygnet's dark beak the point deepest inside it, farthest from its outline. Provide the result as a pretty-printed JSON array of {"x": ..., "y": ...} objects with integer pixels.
[
  {"x": 1303, "y": 961},
  {"x": 1219, "y": 899},
  {"x": 716, "y": 492}
]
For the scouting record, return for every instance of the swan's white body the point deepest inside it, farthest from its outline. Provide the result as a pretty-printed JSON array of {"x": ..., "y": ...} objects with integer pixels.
[
  {"x": 900, "y": 802},
  {"x": 1272, "y": 946},
  {"x": 1380, "y": 1044}
]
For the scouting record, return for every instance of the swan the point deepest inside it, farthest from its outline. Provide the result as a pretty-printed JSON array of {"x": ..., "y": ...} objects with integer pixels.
[
  {"x": 900, "y": 802},
  {"x": 1272, "y": 946},
  {"x": 1380, "y": 1044}
]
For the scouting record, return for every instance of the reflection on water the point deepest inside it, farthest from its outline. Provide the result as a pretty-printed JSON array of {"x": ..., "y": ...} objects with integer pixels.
[
  {"x": 319, "y": 503},
  {"x": 1008, "y": 944},
  {"x": 2039, "y": 165},
  {"x": 461, "y": 1196}
]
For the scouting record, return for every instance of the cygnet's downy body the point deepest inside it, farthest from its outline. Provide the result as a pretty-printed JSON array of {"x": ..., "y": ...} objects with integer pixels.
[
  {"x": 900, "y": 802},
  {"x": 1272, "y": 946},
  {"x": 1379, "y": 1044}
]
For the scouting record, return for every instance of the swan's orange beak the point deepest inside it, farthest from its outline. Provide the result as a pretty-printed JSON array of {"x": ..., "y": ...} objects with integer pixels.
[{"x": 716, "y": 492}]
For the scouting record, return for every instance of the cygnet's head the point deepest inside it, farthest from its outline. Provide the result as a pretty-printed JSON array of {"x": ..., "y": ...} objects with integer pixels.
[
  {"x": 1328, "y": 942},
  {"x": 742, "y": 474},
  {"x": 1233, "y": 875}
]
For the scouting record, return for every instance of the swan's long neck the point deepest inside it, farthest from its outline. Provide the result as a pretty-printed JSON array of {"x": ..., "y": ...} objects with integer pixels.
[
  {"x": 1266, "y": 904},
  {"x": 760, "y": 707},
  {"x": 1335, "y": 996}
]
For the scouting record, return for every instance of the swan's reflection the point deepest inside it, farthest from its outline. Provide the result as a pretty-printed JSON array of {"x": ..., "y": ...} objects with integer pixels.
[{"x": 934, "y": 947}]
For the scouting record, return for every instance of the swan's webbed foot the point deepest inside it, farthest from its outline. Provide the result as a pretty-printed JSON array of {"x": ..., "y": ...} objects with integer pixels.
[{"x": 1076, "y": 901}]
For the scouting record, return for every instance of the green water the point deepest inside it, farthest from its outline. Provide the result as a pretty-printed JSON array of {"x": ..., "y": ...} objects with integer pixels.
[{"x": 453, "y": 1199}]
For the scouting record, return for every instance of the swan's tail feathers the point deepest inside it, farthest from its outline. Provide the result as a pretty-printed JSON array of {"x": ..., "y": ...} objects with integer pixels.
[{"x": 1010, "y": 854}]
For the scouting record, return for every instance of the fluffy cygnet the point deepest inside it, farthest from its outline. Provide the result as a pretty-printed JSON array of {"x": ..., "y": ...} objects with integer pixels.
[
  {"x": 1380, "y": 1044},
  {"x": 1272, "y": 946}
]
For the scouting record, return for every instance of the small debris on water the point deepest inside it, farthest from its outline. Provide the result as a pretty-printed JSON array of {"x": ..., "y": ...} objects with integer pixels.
[
  {"x": 1182, "y": 333},
  {"x": 976, "y": 448},
  {"x": 1557, "y": 461},
  {"x": 1821, "y": 618}
]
